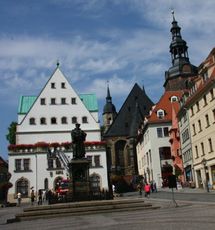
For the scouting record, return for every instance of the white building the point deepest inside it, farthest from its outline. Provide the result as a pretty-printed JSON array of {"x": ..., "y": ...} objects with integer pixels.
[
  {"x": 46, "y": 121},
  {"x": 153, "y": 148}
]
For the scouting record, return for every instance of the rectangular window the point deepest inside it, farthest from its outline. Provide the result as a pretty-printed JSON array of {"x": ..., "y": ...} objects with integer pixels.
[
  {"x": 194, "y": 130},
  {"x": 200, "y": 125},
  {"x": 73, "y": 100},
  {"x": 166, "y": 131},
  {"x": 52, "y": 85},
  {"x": 197, "y": 106},
  {"x": 203, "y": 149},
  {"x": 207, "y": 121},
  {"x": 159, "y": 132},
  {"x": 192, "y": 111},
  {"x": 63, "y": 85},
  {"x": 205, "y": 100},
  {"x": 197, "y": 153},
  {"x": 213, "y": 111},
  {"x": 42, "y": 101},
  {"x": 50, "y": 163},
  {"x": 212, "y": 94},
  {"x": 18, "y": 164},
  {"x": 63, "y": 101},
  {"x": 97, "y": 161},
  {"x": 53, "y": 101},
  {"x": 26, "y": 164},
  {"x": 210, "y": 145},
  {"x": 89, "y": 158}
]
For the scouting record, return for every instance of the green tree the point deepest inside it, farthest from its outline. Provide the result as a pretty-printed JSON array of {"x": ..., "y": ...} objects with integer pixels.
[{"x": 11, "y": 136}]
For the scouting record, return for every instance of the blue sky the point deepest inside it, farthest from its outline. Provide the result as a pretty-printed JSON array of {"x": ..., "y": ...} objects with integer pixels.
[{"x": 120, "y": 41}]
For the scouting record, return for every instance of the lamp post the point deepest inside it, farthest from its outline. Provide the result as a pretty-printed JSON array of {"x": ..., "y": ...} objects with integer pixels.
[{"x": 204, "y": 162}]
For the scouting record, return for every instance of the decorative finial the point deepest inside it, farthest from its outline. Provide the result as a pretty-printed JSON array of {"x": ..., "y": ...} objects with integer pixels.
[
  {"x": 173, "y": 14},
  {"x": 58, "y": 63}
]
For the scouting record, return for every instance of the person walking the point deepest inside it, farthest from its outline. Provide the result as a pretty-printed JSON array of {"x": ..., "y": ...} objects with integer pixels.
[
  {"x": 32, "y": 197},
  {"x": 147, "y": 188},
  {"x": 19, "y": 197},
  {"x": 40, "y": 199}
]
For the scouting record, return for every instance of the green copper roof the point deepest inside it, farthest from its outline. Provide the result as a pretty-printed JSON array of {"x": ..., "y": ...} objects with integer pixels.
[
  {"x": 89, "y": 101},
  {"x": 25, "y": 103}
]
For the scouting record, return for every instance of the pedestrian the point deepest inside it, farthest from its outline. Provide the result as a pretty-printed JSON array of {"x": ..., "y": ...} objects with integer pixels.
[
  {"x": 140, "y": 188},
  {"x": 32, "y": 197},
  {"x": 147, "y": 188},
  {"x": 19, "y": 197},
  {"x": 40, "y": 199}
]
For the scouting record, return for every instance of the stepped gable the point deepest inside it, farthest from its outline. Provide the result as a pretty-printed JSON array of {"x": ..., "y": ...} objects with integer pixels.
[
  {"x": 123, "y": 121},
  {"x": 165, "y": 104}
]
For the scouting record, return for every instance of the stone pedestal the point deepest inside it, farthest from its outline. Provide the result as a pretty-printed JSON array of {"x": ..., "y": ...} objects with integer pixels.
[{"x": 79, "y": 187}]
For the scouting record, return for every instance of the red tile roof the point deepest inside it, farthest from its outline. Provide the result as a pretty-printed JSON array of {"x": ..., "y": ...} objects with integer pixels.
[{"x": 166, "y": 105}]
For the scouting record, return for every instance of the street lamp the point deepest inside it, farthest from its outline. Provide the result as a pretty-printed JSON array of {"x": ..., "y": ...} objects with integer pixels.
[{"x": 204, "y": 162}]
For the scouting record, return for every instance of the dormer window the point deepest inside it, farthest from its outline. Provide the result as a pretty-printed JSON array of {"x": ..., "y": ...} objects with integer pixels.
[
  {"x": 160, "y": 114},
  {"x": 174, "y": 98}
]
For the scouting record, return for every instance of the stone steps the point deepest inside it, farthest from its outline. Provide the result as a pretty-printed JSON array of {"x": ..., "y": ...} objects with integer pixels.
[{"x": 82, "y": 208}]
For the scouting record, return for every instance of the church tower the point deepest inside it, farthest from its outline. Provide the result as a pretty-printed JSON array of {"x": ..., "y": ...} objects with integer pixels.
[
  {"x": 181, "y": 71},
  {"x": 109, "y": 111}
]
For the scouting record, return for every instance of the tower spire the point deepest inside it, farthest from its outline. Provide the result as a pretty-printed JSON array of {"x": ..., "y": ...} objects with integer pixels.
[{"x": 181, "y": 69}]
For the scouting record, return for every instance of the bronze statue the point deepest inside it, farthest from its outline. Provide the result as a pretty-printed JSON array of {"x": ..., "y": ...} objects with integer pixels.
[{"x": 78, "y": 138}]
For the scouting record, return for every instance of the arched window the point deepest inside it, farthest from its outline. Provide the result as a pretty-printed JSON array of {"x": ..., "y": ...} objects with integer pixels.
[
  {"x": 84, "y": 120},
  {"x": 32, "y": 121},
  {"x": 74, "y": 120},
  {"x": 42, "y": 120},
  {"x": 46, "y": 184},
  {"x": 174, "y": 98},
  {"x": 53, "y": 120},
  {"x": 22, "y": 186},
  {"x": 64, "y": 120},
  {"x": 160, "y": 114},
  {"x": 95, "y": 183}
]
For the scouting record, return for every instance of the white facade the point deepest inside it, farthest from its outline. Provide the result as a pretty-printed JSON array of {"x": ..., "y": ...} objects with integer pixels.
[
  {"x": 51, "y": 119},
  {"x": 148, "y": 152}
]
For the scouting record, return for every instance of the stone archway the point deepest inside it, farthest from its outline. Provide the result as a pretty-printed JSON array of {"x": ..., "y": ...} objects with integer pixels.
[{"x": 22, "y": 186}]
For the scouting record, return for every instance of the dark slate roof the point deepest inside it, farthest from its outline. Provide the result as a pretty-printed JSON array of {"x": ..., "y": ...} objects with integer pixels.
[{"x": 136, "y": 106}]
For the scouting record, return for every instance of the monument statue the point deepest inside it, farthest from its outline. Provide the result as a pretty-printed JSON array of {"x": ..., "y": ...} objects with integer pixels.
[{"x": 78, "y": 138}]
